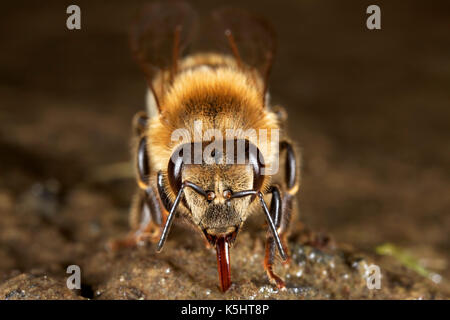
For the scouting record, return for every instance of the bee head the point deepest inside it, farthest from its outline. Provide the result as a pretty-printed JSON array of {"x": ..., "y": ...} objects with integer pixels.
[{"x": 213, "y": 209}]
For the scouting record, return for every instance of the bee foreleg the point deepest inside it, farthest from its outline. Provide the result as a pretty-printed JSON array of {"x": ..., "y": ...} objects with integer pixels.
[
  {"x": 146, "y": 218},
  {"x": 275, "y": 212},
  {"x": 289, "y": 190}
]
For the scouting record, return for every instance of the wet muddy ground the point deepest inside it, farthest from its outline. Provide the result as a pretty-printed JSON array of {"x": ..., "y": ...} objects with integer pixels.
[{"x": 369, "y": 110}]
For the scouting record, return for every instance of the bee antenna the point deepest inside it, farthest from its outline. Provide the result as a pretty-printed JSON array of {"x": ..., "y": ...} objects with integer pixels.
[
  {"x": 172, "y": 212},
  {"x": 272, "y": 225},
  {"x": 273, "y": 229},
  {"x": 169, "y": 221}
]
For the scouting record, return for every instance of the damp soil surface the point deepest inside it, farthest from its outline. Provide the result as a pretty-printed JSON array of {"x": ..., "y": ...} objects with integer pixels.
[{"x": 369, "y": 110}]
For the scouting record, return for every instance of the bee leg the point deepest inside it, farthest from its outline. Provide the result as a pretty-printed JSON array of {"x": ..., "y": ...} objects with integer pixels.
[
  {"x": 284, "y": 204},
  {"x": 136, "y": 212},
  {"x": 292, "y": 182},
  {"x": 275, "y": 212},
  {"x": 146, "y": 219},
  {"x": 285, "y": 219},
  {"x": 268, "y": 264}
]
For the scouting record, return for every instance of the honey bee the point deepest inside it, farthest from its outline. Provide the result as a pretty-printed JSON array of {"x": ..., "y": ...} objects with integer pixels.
[{"x": 222, "y": 90}]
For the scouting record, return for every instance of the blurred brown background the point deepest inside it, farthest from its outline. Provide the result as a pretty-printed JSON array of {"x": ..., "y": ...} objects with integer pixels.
[{"x": 370, "y": 110}]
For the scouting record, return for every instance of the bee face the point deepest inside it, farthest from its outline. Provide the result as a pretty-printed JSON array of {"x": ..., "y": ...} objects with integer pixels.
[{"x": 218, "y": 214}]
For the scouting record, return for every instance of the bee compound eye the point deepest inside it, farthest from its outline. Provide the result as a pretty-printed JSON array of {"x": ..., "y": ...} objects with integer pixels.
[
  {"x": 210, "y": 196},
  {"x": 227, "y": 194}
]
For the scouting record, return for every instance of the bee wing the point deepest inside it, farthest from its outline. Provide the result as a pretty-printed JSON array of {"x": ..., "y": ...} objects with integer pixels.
[
  {"x": 159, "y": 35},
  {"x": 249, "y": 38}
]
